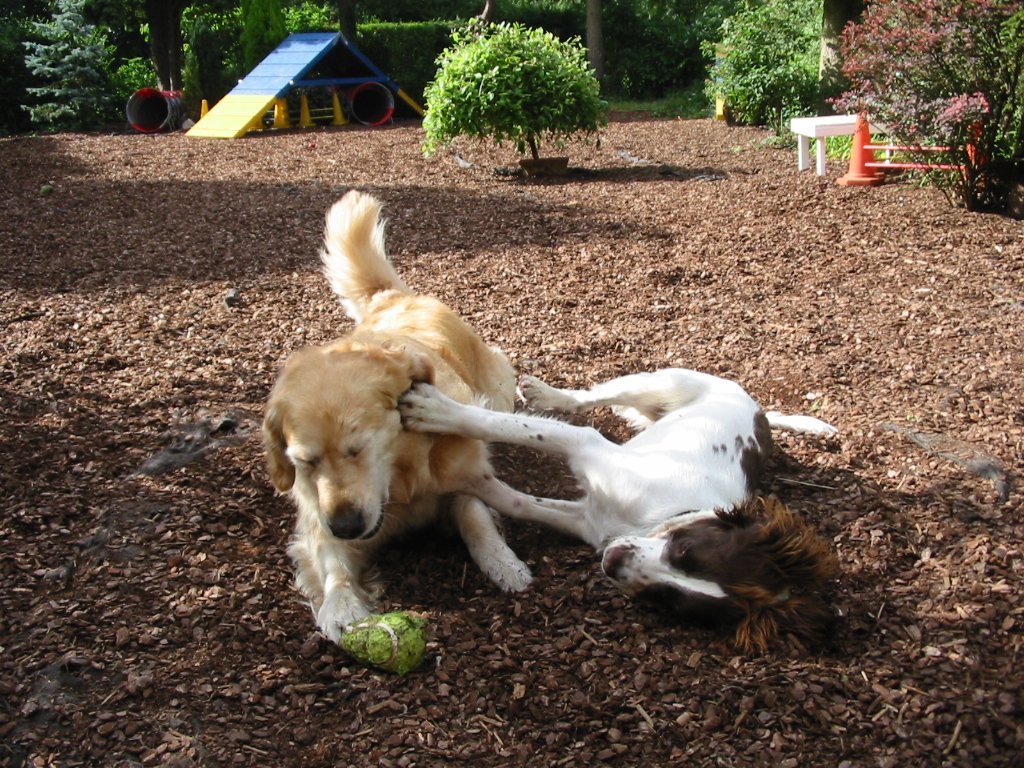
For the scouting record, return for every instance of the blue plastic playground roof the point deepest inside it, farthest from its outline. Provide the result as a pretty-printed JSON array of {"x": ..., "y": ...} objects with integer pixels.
[{"x": 295, "y": 57}]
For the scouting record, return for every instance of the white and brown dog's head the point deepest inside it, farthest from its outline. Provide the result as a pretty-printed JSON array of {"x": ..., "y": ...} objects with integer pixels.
[
  {"x": 759, "y": 567},
  {"x": 332, "y": 428}
]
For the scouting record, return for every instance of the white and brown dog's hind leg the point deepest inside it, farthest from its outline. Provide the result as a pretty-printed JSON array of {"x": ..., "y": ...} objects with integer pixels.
[
  {"x": 479, "y": 530},
  {"x": 640, "y": 398}
]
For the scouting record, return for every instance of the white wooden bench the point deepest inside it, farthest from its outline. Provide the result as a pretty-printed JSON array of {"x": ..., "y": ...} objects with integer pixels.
[{"x": 817, "y": 128}]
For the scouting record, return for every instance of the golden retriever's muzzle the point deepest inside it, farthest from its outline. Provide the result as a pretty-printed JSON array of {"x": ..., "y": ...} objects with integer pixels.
[{"x": 348, "y": 522}]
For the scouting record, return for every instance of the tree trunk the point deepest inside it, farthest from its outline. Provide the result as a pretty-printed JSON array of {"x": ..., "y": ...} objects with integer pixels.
[
  {"x": 347, "y": 18},
  {"x": 836, "y": 14},
  {"x": 595, "y": 38},
  {"x": 487, "y": 13},
  {"x": 164, "y": 18}
]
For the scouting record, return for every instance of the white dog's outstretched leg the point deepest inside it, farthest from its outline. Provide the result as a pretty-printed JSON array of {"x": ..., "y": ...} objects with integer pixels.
[
  {"x": 426, "y": 409},
  {"x": 486, "y": 546},
  {"x": 640, "y": 398},
  {"x": 543, "y": 397},
  {"x": 800, "y": 424}
]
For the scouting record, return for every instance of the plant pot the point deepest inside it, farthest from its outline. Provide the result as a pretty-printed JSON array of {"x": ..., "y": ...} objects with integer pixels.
[{"x": 545, "y": 166}]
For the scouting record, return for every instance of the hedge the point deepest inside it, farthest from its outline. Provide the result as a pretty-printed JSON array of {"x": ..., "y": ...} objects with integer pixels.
[{"x": 406, "y": 52}]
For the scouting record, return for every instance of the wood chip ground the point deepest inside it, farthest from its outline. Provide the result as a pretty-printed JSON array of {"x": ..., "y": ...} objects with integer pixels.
[{"x": 148, "y": 618}]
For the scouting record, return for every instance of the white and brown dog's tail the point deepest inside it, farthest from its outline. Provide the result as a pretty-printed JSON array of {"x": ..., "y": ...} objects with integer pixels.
[
  {"x": 355, "y": 261},
  {"x": 807, "y": 425}
]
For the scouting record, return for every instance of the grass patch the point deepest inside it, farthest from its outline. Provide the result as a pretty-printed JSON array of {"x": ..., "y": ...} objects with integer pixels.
[
  {"x": 838, "y": 147},
  {"x": 688, "y": 104}
]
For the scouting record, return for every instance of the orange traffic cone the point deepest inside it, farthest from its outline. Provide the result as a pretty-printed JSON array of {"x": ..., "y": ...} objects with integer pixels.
[
  {"x": 859, "y": 175},
  {"x": 974, "y": 155}
]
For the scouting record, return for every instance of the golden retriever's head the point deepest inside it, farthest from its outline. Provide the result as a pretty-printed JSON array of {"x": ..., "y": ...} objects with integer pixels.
[{"x": 331, "y": 429}]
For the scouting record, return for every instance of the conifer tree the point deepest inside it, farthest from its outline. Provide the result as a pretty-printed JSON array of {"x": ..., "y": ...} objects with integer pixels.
[
  {"x": 71, "y": 60},
  {"x": 262, "y": 29}
]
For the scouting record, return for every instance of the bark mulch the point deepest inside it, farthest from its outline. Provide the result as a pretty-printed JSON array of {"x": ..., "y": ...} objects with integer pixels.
[{"x": 147, "y": 613}]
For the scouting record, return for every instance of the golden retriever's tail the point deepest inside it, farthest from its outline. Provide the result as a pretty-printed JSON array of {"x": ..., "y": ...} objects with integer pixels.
[{"x": 355, "y": 261}]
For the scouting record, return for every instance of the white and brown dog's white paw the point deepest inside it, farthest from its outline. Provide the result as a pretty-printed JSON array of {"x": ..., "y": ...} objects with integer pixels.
[
  {"x": 425, "y": 408},
  {"x": 539, "y": 396}
]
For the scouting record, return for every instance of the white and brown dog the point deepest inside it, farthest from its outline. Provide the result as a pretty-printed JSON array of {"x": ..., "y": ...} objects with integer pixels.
[
  {"x": 334, "y": 438},
  {"x": 672, "y": 510}
]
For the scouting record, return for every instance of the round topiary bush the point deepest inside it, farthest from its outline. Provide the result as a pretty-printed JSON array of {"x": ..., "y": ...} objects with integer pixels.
[{"x": 507, "y": 82}]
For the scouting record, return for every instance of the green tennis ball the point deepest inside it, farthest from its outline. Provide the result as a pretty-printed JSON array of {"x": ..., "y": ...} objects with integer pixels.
[{"x": 391, "y": 641}]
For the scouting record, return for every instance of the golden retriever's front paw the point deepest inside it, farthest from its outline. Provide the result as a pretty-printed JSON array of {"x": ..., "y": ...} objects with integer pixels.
[
  {"x": 513, "y": 576},
  {"x": 340, "y": 610}
]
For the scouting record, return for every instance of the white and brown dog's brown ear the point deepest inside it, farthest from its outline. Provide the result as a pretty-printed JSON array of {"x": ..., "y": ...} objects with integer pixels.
[
  {"x": 804, "y": 564},
  {"x": 805, "y": 616},
  {"x": 280, "y": 468}
]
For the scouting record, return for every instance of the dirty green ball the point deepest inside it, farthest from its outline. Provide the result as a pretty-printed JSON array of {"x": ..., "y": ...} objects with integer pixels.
[
  {"x": 46, "y": 189},
  {"x": 391, "y": 641}
]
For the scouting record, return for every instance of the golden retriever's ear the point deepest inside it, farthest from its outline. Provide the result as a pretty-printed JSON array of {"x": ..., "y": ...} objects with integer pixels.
[
  {"x": 411, "y": 362},
  {"x": 421, "y": 370},
  {"x": 282, "y": 471}
]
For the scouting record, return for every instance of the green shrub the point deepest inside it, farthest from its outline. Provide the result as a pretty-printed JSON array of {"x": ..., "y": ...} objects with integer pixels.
[
  {"x": 213, "y": 60},
  {"x": 946, "y": 73},
  {"x": 262, "y": 30},
  {"x": 562, "y": 18},
  {"x": 766, "y": 63},
  {"x": 652, "y": 49},
  {"x": 636, "y": 62},
  {"x": 511, "y": 83},
  {"x": 417, "y": 10},
  {"x": 130, "y": 76},
  {"x": 309, "y": 16},
  {"x": 688, "y": 103}
]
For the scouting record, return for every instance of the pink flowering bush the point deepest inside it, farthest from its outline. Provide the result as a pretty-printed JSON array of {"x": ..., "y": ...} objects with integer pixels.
[{"x": 945, "y": 73}]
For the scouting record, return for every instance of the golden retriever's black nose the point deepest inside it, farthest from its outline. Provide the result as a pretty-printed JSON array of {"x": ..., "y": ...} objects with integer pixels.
[{"x": 347, "y": 523}]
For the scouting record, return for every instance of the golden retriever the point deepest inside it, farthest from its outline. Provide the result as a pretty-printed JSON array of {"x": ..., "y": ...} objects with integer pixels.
[{"x": 334, "y": 438}]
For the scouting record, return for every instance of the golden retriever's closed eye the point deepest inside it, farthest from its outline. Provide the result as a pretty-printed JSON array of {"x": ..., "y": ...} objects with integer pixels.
[{"x": 333, "y": 435}]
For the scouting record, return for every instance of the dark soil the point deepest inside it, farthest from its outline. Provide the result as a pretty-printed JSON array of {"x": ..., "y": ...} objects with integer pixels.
[{"x": 147, "y": 612}]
